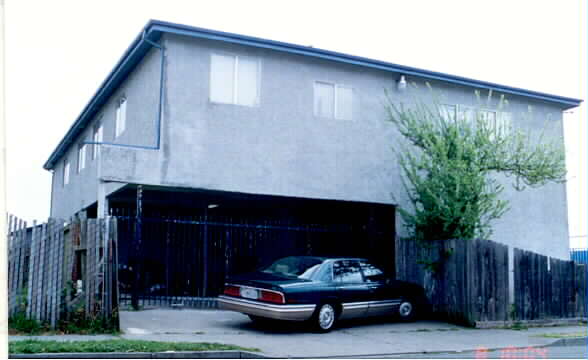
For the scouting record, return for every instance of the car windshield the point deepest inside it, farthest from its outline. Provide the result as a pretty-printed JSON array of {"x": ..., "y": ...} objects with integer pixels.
[{"x": 295, "y": 266}]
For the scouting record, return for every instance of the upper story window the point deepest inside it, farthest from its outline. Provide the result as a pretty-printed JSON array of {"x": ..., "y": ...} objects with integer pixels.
[
  {"x": 121, "y": 117},
  {"x": 333, "y": 101},
  {"x": 81, "y": 157},
  {"x": 498, "y": 121},
  {"x": 65, "y": 172},
  {"x": 97, "y": 137},
  {"x": 234, "y": 80}
]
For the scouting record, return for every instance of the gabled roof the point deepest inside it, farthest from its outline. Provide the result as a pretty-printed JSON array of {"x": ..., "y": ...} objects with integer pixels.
[{"x": 155, "y": 28}]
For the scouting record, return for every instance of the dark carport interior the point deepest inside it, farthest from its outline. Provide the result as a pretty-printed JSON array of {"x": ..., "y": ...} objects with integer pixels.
[{"x": 185, "y": 242}]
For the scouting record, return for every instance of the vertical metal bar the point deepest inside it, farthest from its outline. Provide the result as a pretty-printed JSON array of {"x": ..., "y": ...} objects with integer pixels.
[
  {"x": 138, "y": 235},
  {"x": 205, "y": 254}
]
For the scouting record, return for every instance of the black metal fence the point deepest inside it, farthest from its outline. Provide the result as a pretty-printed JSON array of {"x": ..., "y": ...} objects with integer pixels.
[
  {"x": 185, "y": 260},
  {"x": 579, "y": 255}
]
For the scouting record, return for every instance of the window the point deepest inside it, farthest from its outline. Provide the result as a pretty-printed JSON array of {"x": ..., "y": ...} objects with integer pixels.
[
  {"x": 97, "y": 138},
  {"x": 121, "y": 117},
  {"x": 503, "y": 123},
  {"x": 498, "y": 121},
  {"x": 448, "y": 112},
  {"x": 370, "y": 272},
  {"x": 66, "y": 172},
  {"x": 81, "y": 157},
  {"x": 234, "y": 80},
  {"x": 347, "y": 271},
  {"x": 333, "y": 101}
]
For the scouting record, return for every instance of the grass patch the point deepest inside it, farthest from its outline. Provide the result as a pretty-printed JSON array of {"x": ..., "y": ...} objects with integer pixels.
[
  {"x": 119, "y": 345},
  {"x": 564, "y": 335}
]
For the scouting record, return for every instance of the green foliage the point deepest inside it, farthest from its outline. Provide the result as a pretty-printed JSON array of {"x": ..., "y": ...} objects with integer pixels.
[
  {"x": 20, "y": 323},
  {"x": 80, "y": 324},
  {"x": 450, "y": 169},
  {"x": 118, "y": 345}
]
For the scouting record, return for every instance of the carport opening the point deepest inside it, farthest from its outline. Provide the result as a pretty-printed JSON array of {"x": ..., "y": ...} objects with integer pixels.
[{"x": 187, "y": 242}]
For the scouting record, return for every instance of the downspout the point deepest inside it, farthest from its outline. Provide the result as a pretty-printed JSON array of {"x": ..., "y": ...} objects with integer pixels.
[{"x": 159, "y": 109}]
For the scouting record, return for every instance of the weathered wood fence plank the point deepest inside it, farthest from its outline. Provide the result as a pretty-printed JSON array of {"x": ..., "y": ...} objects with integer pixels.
[{"x": 43, "y": 268}]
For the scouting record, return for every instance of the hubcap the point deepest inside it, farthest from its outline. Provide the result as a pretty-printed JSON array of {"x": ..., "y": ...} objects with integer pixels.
[
  {"x": 405, "y": 309},
  {"x": 326, "y": 316}
]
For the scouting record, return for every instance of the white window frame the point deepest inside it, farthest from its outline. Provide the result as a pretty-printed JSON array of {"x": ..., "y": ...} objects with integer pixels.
[
  {"x": 97, "y": 137},
  {"x": 81, "y": 157},
  {"x": 120, "y": 117},
  {"x": 336, "y": 99},
  {"x": 65, "y": 172},
  {"x": 501, "y": 123},
  {"x": 235, "y": 93}
]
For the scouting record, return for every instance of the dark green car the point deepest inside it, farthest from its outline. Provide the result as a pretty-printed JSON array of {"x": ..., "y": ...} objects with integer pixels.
[{"x": 321, "y": 290}]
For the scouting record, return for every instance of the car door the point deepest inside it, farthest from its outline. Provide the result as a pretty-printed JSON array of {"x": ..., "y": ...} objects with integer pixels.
[
  {"x": 384, "y": 300},
  {"x": 352, "y": 290}
]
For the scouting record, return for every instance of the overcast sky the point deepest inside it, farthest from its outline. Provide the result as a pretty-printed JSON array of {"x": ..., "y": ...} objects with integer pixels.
[{"x": 58, "y": 52}]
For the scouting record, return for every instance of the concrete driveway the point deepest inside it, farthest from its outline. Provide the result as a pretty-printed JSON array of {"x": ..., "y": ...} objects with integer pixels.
[{"x": 351, "y": 338}]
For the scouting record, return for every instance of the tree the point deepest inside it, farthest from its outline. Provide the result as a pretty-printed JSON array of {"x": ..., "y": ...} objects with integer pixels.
[{"x": 451, "y": 164}]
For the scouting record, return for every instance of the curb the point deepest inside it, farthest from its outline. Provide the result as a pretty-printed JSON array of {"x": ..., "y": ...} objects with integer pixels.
[
  {"x": 229, "y": 354},
  {"x": 560, "y": 342},
  {"x": 570, "y": 342}
]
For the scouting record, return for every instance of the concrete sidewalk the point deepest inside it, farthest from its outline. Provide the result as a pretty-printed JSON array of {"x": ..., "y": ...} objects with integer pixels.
[{"x": 358, "y": 338}]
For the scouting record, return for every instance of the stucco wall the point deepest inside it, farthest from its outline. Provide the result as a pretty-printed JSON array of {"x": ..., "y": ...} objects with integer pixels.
[
  {"x": 141, "y": 89},
  {"x": 281, "y": 148}
]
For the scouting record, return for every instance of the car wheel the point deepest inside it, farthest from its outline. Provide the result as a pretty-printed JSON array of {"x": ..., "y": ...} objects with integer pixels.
[
  {"x": 325, "y": 317},
  {"x": 407, "y": 310}
]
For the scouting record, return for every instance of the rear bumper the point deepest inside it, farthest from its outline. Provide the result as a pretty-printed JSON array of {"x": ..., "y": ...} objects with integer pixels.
[{"x": 270, "y": 311}]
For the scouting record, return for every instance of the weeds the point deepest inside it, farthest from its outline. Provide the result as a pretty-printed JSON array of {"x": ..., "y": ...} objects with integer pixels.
[{"x": 20, "y": 323}]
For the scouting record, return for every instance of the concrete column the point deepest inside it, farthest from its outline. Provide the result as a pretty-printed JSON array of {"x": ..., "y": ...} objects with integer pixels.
[
  {"x": 102, "y": 210},
  {"x": 511, "y": 294}
]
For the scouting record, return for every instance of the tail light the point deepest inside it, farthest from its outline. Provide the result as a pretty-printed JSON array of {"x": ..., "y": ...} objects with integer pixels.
[
  {"x": 231, "y": 290},
  {"x": 272, "y": 296}
]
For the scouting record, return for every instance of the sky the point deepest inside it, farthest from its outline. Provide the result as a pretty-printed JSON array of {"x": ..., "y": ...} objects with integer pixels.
[{"x": 58, "y": 52}]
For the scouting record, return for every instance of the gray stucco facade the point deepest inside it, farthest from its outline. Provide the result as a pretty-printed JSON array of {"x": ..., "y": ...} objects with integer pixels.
[{"x": 280, "y": 147}]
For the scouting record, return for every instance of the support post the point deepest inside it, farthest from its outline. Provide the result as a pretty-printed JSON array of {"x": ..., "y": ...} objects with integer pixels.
[{"x": 138, "y": 226}]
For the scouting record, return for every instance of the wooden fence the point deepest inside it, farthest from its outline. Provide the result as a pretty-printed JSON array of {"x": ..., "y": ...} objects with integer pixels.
[
  {"x": 547, "y": 287},
  {"x": 56, "y": 268},
  {"x": 468, "y": 281},
  {"x": 465, "y": 281}
]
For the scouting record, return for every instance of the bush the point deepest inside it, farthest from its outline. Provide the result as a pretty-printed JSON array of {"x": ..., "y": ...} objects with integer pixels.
[{"x": 22, "y": 324}]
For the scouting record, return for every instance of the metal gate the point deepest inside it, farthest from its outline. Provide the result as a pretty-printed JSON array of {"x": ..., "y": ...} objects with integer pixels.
[{"x": 185, "y": 260}]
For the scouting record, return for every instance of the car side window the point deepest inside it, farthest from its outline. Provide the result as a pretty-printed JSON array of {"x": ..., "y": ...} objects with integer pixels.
[
  {"x": 325, "y": 273},
  {"x": 370, "y": 272},
  {"x": 346, "y": 271}
]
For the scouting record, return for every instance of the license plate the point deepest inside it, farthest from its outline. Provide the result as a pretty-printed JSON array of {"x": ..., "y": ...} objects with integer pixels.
[{"x": 249, "y": 293}]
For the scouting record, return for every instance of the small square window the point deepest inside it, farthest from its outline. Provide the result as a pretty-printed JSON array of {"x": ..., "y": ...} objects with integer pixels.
[
  {"x": 234, "y": 80},
  {"x": 447, "y": 112},
  {"x": 324, "y": 99},
  {"x": 333, "y": 101}
]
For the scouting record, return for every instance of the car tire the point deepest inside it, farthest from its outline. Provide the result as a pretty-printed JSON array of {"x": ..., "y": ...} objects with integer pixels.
[
  {"x": 407, "y": 310},
  {"x": 325, "y": 317}
]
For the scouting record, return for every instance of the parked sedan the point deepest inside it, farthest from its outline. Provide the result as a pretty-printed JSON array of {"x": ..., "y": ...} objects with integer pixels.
[{"x": 322, "y": 291}]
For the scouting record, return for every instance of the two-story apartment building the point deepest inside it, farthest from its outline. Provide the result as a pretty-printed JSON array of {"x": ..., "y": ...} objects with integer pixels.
[{"x": 199, "y": 117}]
